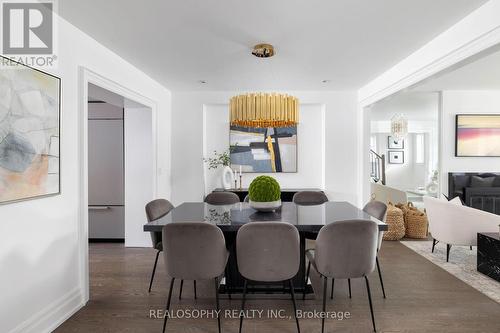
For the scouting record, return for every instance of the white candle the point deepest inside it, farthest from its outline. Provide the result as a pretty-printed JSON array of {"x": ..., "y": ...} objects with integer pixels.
[{"x": 240, "y": 170}]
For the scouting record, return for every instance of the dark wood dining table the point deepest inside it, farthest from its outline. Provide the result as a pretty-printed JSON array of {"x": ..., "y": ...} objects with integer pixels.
[{"x": 307, "y": 220}]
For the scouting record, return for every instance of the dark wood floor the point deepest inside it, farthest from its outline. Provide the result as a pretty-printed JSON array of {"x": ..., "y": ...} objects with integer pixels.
[{"x": 421, "y": 297}]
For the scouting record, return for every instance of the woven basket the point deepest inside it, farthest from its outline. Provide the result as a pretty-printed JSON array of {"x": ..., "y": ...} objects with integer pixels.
[
  {"x": 417, "y": 225},
  {"x": 395, "y": 222},
  {"x": 405, "y": 208}
]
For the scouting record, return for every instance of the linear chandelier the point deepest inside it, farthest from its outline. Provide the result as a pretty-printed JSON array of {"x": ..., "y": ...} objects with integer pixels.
[{"x": 264, "y": 110}]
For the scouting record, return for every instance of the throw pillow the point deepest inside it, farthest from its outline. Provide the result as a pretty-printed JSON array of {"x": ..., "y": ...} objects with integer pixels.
[{"x": 482, "y": 182}]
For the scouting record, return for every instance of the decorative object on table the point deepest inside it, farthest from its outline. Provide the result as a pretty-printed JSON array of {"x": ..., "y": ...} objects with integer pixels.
[
  {"x": 265, "y": 194},
  {"x": 395, "y": 222},
  {"x": 222, "y": 159},
  {"x": 417, "y": 225},
  {"x": 432, "y": 187},
  {"x": 399, "y": 127},
  {"x": 396, "y": 157},
  {"x": 263, "y": 132},
  {"x": 393, "y": 143},
  {"x": 30, "y": 107},
  {"x": 477, "y": 135}
]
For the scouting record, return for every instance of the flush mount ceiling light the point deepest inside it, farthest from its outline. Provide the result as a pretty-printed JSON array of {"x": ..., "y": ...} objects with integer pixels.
[
  {"x": 399, "y": 126},
  {"x": 264, "y": 110},
  {"x": 263, "y": 50}
]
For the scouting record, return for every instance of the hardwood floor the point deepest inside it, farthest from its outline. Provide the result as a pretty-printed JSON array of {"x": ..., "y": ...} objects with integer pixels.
[{"x": 421, "y": 297}]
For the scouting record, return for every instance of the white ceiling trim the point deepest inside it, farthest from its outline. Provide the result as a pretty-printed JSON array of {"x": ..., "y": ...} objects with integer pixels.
[{"x": 477, "y": 32}]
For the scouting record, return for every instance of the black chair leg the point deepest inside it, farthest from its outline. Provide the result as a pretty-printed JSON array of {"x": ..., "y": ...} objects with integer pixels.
[
  {"x": 180, "y": 290},
  {"x": 292, "y": 292},
  {"x": 307, "y": 279},
  {"x": 448, "y": 248},
  {"x": 325, "y": 286},
  {"x": 470, "y": 247},
  {"x": 217, "y": 301},
  {"x": 434, "y": 242},
  {"x": 154, "y": 270},
  {"x": 349, "y": 283},
  {"x": 168, "y": 304},
  {"x": 331, "y": 293},
  {"x": 370, "y": 301},
  {"x": 380, "y": 276},
  {"x": 194, "y": 286},
  {"x": 243, "y": 303}
]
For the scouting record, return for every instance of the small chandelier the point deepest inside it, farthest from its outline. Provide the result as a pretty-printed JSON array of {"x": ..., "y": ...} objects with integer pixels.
[
  {"x": 399, "y": 126},
  {"x": 264, "y": 110}
]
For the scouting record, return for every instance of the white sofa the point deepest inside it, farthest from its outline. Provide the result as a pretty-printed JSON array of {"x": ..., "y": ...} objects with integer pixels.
[{"x": 454, "y": 224}]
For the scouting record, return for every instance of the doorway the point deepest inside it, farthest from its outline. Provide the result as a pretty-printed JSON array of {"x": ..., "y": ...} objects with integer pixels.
[{"x": 132, "y": 142}]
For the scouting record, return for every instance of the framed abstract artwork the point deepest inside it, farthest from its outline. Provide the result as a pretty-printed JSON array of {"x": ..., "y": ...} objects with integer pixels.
[
  {"x": 263, "y": 150},
  {"x": 392, "y": 143},
  {"x": 30, "y": 107},
  {"x": 477, "y": 135},
  {"x": 396, "y": 157}
]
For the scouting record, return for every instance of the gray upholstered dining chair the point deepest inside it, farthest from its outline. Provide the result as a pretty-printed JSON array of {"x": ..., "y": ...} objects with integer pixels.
[
  {"x": 194, "y": 251},
  {"x": 222, "y": 198},
  {"x": 154, "y": 210},
  {"x": 376, "y": 209},
  {"x": 345, "y": 250},
  {"x": 247, "y": 198},
  {"x": 268, "y": 252},
  {"x": 309, "y": 198}
]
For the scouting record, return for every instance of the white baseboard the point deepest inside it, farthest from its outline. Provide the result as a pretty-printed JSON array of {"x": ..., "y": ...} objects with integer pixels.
[{"x": 49, "y": 318}]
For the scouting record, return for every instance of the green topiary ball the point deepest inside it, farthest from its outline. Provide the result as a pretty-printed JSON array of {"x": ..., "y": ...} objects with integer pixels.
[{"x": 264, "y": 189}]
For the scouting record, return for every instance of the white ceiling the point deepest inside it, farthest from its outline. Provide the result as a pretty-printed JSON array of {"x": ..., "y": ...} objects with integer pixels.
[
  {"x": 418, "y": 106},
  {"x": 481, "y": 74},
  {"x": 348, "y": 42}
]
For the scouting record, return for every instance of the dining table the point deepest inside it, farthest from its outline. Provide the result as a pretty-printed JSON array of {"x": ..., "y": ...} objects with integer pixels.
[{"x": 229, "y": 218}]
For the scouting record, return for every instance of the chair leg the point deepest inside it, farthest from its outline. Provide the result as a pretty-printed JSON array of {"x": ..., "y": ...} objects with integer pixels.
[
  {"x": 325, "y": 286},
  {"x": 448, "y": 248},
  {"x": 307, "y": 279},
  {"x": 470, "y": 247},
  {"x": 217, "y": 301},
  {"x": 154, "y": 270},
  {"x": 434, "y": 242},
  {"x": 370, "y": 301},
  {"x": 331, "y": 293},
  {"x": 168, "y": 304},
  {"x": 292, "y": 292},
  {"x": 194, "y": 286},
  {"x": 180, "y": 290},
  {"x": 349, "y": 283},
  {"x": 243, "y": 303},
  {"x": 380, "y": 276}
]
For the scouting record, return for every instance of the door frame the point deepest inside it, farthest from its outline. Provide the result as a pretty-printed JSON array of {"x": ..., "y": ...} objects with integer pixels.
[{"x": 87, "y": 76}]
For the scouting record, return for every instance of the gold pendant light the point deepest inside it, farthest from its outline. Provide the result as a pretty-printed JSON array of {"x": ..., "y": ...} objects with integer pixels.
[{"x": 264, "y": 110}]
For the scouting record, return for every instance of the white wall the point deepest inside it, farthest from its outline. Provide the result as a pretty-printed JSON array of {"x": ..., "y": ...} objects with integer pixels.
[
  {"x": 39, "y": 239},
  {"x": 454, "y": 102},
  {"x": 139, "y": 170},
  {"x": 340, "y": 158},
  {"x": 310, "y": 147}
]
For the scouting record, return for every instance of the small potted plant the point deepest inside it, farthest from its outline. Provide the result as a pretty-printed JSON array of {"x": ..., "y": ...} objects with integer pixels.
[
  {"x": 222, "y": 159},
  {"x": 264, "y": 194}
]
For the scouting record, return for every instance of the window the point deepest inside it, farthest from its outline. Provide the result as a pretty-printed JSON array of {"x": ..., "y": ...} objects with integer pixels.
[{"x": 420, "y": 148}]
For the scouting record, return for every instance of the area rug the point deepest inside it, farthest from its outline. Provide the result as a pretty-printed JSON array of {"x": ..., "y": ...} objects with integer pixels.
[{"x": 462, "y": 265}]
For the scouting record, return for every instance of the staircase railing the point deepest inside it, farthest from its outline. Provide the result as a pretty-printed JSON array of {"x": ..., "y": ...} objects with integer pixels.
[{"x": 377, "y": 167}]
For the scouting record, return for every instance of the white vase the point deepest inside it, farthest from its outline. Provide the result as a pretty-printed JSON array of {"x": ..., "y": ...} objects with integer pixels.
[{"x": 227, "y": 177}]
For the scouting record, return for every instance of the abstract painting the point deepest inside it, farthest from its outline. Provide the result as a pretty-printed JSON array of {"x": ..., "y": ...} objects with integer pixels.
[
  {"x": 477, "y": 135},
  {"x": 264, "y": 150},
  {"x": 29, "y": 132}
]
